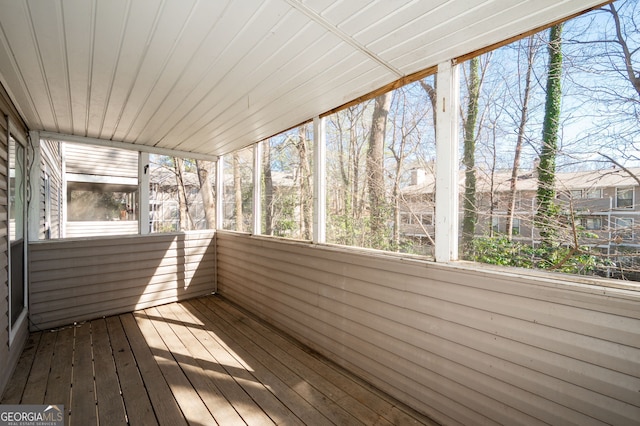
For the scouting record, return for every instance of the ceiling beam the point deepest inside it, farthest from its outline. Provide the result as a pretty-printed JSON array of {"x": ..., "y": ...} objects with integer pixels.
[
  {"x": 316, "y": 17},
  {"x": 126, "y": 145}
]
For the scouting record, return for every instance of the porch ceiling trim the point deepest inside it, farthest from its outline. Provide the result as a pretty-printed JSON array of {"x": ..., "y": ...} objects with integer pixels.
[{"x": 127, "y": 146}]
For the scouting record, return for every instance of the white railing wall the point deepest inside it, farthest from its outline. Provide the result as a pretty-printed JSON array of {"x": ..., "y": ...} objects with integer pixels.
[
  {"x": 462, "y": 344},
  {"x": 74, "y": 280}
]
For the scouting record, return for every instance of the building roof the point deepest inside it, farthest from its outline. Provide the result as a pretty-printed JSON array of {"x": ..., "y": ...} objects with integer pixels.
[{"x": 527, "y": 180}]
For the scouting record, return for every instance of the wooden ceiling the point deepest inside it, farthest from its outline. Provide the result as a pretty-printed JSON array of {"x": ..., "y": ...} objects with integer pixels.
[{"x": 211, "y": 76}]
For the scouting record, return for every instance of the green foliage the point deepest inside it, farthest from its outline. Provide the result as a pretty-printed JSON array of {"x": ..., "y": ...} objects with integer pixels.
[
  {"x": 547, "y": 167},
  {"x": 469, "y": 203},
  {"x": 500, "y": 251}
]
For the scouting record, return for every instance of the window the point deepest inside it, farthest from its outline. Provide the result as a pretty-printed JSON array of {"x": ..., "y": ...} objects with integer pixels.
[
  {"x": 427, "y": 218},
  {"x": 593, "y": 193},
  {"x": 238, "y": 191},
  {"x": 378, "y": 173},
  {"x": 515, "y": 227},
  {"x": 576, "y": 193},
  {"x": 624, "y": 228},
  {"x": 495, "y": 137},
  {"x": 495, "y": 223},
  {"x": 624, "y": 198},
  {"x": 287, "y": 184},
  {"x": 592, "y": 223},
  {"x": 181, "y": 194}
]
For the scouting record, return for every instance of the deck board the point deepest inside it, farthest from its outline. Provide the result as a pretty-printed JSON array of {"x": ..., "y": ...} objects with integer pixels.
[
  {"x": 108, "y": 393},
  {"x": 18, "y": 381},
  {"x": 83, "y": 401},
  {"x": 36, "y": 385},
  {"x": 136, "y": 401},
  {"x": 201, "y": 361},
  {"x": 58, "y": 390}
]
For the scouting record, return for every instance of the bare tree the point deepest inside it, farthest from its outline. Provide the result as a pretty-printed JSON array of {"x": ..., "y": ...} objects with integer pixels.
[
  {"x": 185, "y": 219},
  {"x": 306, "y": 193},
  {"x": 268, "y": 188},
  {"x": 531, "y": 48},
  {"x": 237, "y": 189},
  {"x": 206, "y": 191},
  {"x": 375, "y": 169}
]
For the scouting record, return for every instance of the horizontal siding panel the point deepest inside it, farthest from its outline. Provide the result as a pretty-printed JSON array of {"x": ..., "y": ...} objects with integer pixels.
[
  {"x": 156, "y": 275},
  {"x": 111, "y": 307},
  {"x": 79, "y": 249},
  {"x": 77, "y": 280},
  {"x": 178, "y": 279},
  {"x": 319, "y": 335},
  {"x": 511, "y": 349},
  {"x": 114, "y": 291},
  {"x": 385, "y": 345},
  {"x": 98, "y": 160},
  {"x": 99, "y": 229},
  {"x": 170, "y": 252}
]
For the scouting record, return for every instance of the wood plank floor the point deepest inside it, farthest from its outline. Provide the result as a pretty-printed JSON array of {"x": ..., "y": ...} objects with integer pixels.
[{"x": 199, "y": 362}]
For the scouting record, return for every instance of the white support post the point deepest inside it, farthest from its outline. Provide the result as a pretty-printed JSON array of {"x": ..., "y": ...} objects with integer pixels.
[
  {"x": 447, "y": 163},
  {"x": 35, "y": 172},
  {"x": 319, "y": 180},
  {"x": 63, "y": 198},
  {"x": 257, "y": 188},
  {"x": 220, "y": 192},
  {"x": 144, "y": 226}
]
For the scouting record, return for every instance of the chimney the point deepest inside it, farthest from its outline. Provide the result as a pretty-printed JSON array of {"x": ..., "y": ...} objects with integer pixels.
[{"x": 418, "y": 176}]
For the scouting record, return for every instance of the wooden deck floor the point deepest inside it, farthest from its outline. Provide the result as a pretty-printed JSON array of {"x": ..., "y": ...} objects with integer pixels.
[{"x": 199, "y": 362}]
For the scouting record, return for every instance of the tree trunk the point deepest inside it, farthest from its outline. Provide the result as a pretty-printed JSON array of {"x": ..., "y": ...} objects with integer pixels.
[
  {"x": 306, "y": 195},
  {"x": 237, "y": 186},
  {"x": 375, "y": 170},
  {"x": 206, "y": 190},
  {"x": 185, "y": 224},
  {"x": 511, "y": 201},
  {"x": 268, "y": 188},
  {"x": 546, "y": 193},
  {"x": 469, "y": 203}
]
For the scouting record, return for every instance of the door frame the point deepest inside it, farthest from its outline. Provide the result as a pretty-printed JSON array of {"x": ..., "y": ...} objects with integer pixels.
[{"x": 19, "y": 138}]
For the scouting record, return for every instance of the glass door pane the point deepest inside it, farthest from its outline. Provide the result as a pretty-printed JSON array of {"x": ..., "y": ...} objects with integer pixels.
[{"x": 16, "y": 229}]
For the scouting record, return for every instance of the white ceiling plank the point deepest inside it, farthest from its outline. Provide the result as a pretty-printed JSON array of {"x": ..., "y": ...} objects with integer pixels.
[
  {"x": 140, "y": 27},
  {"x": 110, "y": 22},
  {"x": 532, "y": 16},
  {"x": 78, "y": 38},
  {"x": 202, "y": 73},
  {"x": 403, "y": 29},
  {"x": 282, "y": 53},
  {"x": 254, "y": 47},
  {"x": 378, "y": 12},
  {"x": 15, "y": 84},
  {"x": 304, "y": 99},
  {"x": 291, "y": 84},
  {"x": 46, "y": 25},
  {"x": 22, "y": 49},
  {"x": 172, "y": 51}
]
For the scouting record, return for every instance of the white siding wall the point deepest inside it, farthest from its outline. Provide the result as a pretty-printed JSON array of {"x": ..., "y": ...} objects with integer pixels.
[
  {"x": 76, "y": 280},
  {"x": 461, "y": 344},
  {"x": 51, "y": 163},
  {"x": 100, "y": 160},
  {"x": 104, "y": 228}
]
